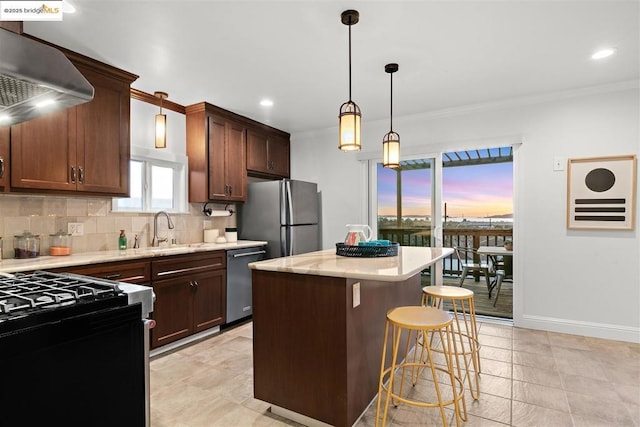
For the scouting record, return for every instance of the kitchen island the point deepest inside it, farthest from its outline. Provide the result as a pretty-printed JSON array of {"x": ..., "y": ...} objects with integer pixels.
[{"x": 318, "y": 328}]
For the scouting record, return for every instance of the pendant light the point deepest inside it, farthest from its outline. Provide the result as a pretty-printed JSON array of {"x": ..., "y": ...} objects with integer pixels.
[
  {"x": 391, "y": 141},
  {"x": 350, "y": 117},
  {"x": 161, "y": 122}
]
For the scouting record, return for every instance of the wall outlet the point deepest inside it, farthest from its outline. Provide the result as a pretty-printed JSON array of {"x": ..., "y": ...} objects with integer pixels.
[
  {"x": 356, "y": 294},
  {"x": 75, "y": 228},
  {"x": 559, "y": 163}
]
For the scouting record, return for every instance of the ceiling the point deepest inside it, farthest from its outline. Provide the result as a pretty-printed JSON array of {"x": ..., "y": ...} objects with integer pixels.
[{"x": 451, "y": 54}]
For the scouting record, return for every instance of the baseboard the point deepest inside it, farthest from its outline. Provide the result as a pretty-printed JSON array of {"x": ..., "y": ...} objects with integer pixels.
[
  {"x": 299, "y": 418},
  {"x": 176, "y": 345},
  {"x": 574, "y": 327}
]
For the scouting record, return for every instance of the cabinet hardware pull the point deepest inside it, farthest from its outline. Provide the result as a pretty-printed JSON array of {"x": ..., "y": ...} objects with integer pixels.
[
  {"x": 230, "y": 190},
  {"x": 1, "y": 167},
  {"x": 195, "y": 282},
  {"x": 73, "y": 174},
  {"x": 191, "y": 283},
  {"x": 81, "y": 174},
  {"x": 112, "y": 276},
  {"x": 249, "y": 253}
]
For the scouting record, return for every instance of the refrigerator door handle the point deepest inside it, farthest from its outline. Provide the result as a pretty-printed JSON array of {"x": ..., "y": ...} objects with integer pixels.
[
  {"x": 283, "y": 241},
  {"x": 289, "y": 203}
]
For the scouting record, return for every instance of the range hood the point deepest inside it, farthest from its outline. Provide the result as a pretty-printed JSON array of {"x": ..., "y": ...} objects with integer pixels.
[{"x": 36, "y": 79}]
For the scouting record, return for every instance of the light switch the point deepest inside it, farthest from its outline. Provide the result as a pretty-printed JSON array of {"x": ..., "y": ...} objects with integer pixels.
[
  {"x": 559, "y": 163},
  {"x": 356, "y": 294}
]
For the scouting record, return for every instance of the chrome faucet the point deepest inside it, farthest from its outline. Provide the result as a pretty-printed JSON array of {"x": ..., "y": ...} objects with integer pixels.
[{"x": 157, "y": 240}]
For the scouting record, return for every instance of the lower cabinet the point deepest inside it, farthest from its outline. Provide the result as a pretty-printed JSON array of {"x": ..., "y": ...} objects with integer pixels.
[
  {"x": 190, "y": 295},
  {"x": 191, "y": 290}
]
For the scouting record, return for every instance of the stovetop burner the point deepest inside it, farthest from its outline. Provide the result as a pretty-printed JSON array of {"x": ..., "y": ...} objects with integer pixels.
[{"x": 24, "y": 294}]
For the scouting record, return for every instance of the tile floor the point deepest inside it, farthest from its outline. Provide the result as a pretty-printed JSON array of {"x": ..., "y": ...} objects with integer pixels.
[{"x": 529, "y": 378}]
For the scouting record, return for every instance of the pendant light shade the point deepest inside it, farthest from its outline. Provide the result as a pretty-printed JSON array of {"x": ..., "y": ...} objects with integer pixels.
[
  {"x": 161, "y": 122},
  {"x": 350, "y": 127},
  {"x": 349, "y": 138},
  {"x": 391, "y": 141}
]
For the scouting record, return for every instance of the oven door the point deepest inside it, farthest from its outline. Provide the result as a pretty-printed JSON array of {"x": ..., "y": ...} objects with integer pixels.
[{"x": 87, "y": 369}]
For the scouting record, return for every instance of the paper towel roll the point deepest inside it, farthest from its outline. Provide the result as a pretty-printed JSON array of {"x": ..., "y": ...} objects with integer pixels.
[
  {"x": 219, "y": 213},
  {"x": 210, "y": 235}
]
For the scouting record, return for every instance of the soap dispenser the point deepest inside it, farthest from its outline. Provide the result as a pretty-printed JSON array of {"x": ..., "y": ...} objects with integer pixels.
[{"x": 122, "y": 241}]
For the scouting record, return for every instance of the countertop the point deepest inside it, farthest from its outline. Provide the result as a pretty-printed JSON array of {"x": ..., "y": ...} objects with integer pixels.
[
  {"x": 87, "y": 258},
  {"x": 410, "y": 261}
]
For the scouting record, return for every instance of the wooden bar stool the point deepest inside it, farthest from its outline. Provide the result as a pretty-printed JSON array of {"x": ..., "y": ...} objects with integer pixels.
[
  {"x": 423, "y": 321},
  {"x": 464, "y": 325}
]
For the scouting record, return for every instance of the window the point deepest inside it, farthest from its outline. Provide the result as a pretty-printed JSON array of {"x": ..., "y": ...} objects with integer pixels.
[{"x": 154, "y": 184}]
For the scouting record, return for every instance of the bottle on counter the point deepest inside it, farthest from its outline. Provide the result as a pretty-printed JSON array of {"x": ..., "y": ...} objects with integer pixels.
[{"x": 122, "y": 241}]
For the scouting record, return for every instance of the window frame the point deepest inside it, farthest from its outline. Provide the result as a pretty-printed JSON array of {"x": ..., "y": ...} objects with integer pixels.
[{"x": 150, "y": 158}]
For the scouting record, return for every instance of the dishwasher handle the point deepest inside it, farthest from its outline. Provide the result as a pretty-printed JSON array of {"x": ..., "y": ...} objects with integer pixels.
[{"x": 249, "y": 254}]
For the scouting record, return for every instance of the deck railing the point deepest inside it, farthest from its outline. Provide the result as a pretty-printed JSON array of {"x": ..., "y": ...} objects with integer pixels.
[{"x": 470, "y": 237}]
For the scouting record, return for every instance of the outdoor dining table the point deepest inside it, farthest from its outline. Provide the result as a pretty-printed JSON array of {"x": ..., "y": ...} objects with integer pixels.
[{"x": 493, "y": 252}]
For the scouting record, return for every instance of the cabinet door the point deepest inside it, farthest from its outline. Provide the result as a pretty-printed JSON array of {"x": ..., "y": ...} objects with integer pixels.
[
  {"x": 236, "y": 162},
  {"x": 43, "y": 152},
  {"x": 257, "y": 152},
  {"x": 172, "y": 310},
  {"x": 209, "y": 299},
  {"x": 103, "y": 136},
  {"x": 278, "y": 155},
  {"x": 4, "y": 158},
  {"x": 217, "y": 181}
]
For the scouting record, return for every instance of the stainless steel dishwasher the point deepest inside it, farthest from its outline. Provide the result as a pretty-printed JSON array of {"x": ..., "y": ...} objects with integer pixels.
[{"x": 239, "y": 281}]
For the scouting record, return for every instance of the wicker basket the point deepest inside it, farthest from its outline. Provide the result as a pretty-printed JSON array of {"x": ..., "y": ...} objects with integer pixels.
[{"x": 367, "y": 251}]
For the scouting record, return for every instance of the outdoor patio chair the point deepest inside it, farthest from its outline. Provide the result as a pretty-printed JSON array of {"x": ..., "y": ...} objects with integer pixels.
[{"x": 466, "y": 261}]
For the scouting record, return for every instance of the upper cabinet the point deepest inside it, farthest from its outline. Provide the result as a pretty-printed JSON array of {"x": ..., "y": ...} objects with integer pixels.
[
  {"x": 267, "y": 153},
  {"x": 80, "y": 149},
  {"x": 216, "y": 148}
]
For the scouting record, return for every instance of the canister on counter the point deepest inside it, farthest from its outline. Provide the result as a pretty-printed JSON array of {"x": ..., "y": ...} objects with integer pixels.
[
  {"x": 60, "y": 243},
  {"x": 231, "y": 234},
  {"x": 26, "y": 245}
]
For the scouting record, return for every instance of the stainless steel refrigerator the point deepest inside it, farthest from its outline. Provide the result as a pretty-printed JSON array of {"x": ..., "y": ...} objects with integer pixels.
[{"x": 285, "y": 214}]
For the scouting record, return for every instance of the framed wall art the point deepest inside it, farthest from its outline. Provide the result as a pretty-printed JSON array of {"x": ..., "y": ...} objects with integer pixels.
[{"x": 601, "y": 193}]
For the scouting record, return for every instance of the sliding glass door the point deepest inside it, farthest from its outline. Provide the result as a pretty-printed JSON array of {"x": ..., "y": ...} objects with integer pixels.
[{"x": 404, "y": 202}]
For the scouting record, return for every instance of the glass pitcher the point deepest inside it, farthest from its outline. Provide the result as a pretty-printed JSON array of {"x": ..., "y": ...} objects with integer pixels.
[{"x": 357, "y": 233}]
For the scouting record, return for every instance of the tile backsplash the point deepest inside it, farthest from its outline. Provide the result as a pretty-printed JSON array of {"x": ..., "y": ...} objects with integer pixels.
[{"x": 45, "y": 215}]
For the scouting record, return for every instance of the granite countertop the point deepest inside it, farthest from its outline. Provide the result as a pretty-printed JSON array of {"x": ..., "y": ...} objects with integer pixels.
[
  {"x": 410, "y": 261},
  {"x": 87, "y": 258}
]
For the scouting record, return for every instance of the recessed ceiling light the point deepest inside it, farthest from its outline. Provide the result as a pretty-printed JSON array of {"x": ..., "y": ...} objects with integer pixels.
[
  {"x": 4, "y": 118},
  {"x": 604, "y": 53},
  {"x": 266, "y": 103}
]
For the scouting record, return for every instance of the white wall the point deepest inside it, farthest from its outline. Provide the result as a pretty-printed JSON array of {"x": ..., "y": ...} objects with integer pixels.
[
  {"x": 578, "y": 282},
  {"x": 143, "y": 128}
]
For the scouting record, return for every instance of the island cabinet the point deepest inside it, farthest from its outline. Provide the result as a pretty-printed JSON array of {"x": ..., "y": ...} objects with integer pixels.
[
  {"x": 4, "y": 159},
  {"x": 190, "y": 295},
  {"x": 216, "y": 148},
  {"x": 79, "y": 149},
  {"x": 268, "y": 153},
  {"x": 318, "y": 328}
]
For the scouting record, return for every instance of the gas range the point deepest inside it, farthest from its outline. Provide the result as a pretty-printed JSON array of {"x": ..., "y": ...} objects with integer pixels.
[
  {"x": 72, "y": 338},
  {"x": 29, "y": 299}
]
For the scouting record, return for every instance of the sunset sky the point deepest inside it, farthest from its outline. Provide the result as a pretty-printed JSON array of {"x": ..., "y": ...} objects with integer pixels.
[{"x": 469, "y": 191}]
